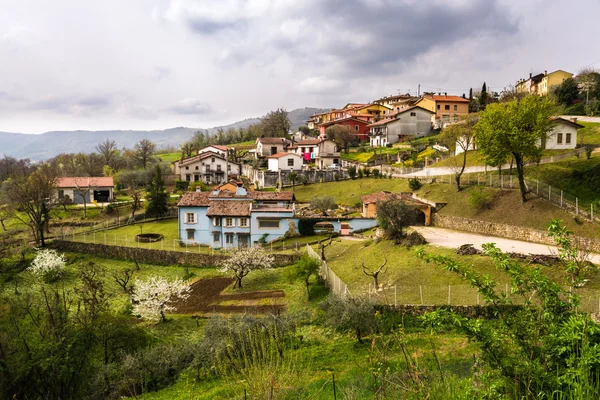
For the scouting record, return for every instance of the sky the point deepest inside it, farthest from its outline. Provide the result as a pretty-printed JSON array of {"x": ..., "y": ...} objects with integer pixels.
[{"x": 156, "y": 64}]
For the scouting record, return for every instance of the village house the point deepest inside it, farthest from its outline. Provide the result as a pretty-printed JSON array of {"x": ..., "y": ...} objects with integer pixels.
[
  {"x": 390, "y": 101},
  {"x": 207, "y": 167},
  {"x": 269, "y": 146},
  {"x": 284, "y": 162},
  {"x": 447, "y": 109},
  {"x": 369, "y": 204},
  {"x": 86, "y": 189},
  {"x": 321, "y": 152},
  {"x": 226, "y": 219},
  {"x": 541, "y": 84},
  {"x": 358, "y": 127},
  {"x": 408, "y": 122}
]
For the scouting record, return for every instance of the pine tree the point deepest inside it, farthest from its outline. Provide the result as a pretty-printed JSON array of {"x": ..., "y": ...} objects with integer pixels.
[
  {"x": 471, "y": 104},
  {"x": 157, "y": 196}
]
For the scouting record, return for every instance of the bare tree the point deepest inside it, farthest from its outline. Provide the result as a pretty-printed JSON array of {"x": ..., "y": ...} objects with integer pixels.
[
  {"x": 4, "y": 214},
  {"x": 374, "y": 273},
  {"x": 84, "y": 192},
  {"x": 143, "y": 150},
  {"x": 136, "y": 197},
  {"x": 460, "y": 136},
  {"x": 188, "y": 149},
  {"x": 107, "y": 149},
  {"x": 32, "y": 199}
]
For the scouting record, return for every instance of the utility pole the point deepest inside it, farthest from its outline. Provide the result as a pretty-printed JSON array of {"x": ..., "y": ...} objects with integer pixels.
[{"x": 419, "y": 91}]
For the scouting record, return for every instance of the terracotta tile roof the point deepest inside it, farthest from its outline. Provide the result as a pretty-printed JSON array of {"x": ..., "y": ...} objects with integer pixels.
[
  {"x": 218, "y": 146},
  {"x": 566, "y": 121},
  {"x": 194, "y": 199},
  {"x": 337, "y": 121},
  {"x": 202, "y": 156},
  {"x": 308, "y": 142},
  {"x": 262, "y": 196},
  {"x": 229, "y": 208},
  {"x": 386, "y": 196},
  {"x": 272, "y": 140},
  {"x": 449, "y": 98},
  {"x": 282, "y": 154},
  {"x": 392, "y": 116},
  {"x": 85, "y": 181}
]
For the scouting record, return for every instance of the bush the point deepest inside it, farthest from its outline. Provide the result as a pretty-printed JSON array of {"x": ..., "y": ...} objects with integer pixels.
[
  {"x": 376, "y": 173},
  {"x": 367, "y": 172},
  {"x": 181, "y": 185},
  {"x": 360, "y": 174},
  {"x": 414, "y": 183},
  {"x": 480, "y": 198},
  {"x": 352, "y": 172},
  {"x": 413, "y": 239},
  {"x": 48, "y": 264},
  {"x": 198, "y": 184}
]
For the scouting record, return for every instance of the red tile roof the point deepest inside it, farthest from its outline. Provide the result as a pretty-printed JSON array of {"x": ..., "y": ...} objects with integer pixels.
[
  {"x": 85, "y": 181},
  {"x": 449, "y": 98},
  {"x": 194, "y": 199},
  {"x": 272, "y": 140},
  {"x": 229, "y": 208},
  {"x": 337, "y": 121},
  {"x": 266, "y": 196}
]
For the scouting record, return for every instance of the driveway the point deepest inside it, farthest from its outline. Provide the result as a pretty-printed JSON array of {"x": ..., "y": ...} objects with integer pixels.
[{"x": 454, "y": 239}]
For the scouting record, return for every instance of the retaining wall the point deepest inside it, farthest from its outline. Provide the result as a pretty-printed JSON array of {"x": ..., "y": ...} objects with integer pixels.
[
  {"x": 158, "y": 257},
  {"x": 505, "y": 231}
]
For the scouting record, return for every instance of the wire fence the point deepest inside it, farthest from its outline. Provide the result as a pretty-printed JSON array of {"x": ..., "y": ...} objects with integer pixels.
[
  {"x": 332, "y": 281},
  {"x": 582, "y": 209}
]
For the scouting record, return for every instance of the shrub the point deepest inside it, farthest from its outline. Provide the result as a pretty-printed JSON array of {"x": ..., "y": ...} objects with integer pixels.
[
  {"x": 480, "y": 198},
  {"x": 367, "y": 172},
  {"x": 198, "y": 184},
  {"x": 181, "y": 185},
  {"x": 414, "y": 183},
  {"x": 48, "y": 264},
  {"x": 352, "y": 172},
  {"x": 588, "y": 151},
  {"x": 336, "y": 176},
  {"x": 413, "y": 239},
  {"x": 360, "y": 174},
  {"x": 376, "y": 173}
]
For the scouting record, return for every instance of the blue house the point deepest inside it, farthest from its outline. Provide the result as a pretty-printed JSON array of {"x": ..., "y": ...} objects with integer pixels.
[{"x": 227, "y": 219}]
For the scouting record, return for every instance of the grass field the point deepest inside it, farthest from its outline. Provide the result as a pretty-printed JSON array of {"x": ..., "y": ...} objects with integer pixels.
[
  {"x": 412, "y": 277},
  {"x": 577, "y": 176},
  {"x": 349, "y": 192},
  {"x": 590, "y": 132}
]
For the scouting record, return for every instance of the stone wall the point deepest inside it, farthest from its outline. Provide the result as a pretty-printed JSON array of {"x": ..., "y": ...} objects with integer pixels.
[
  {"x": 267, "y": 179},
  {"x": 158, "y": 257},
  {"x": 505, "y": 231}
]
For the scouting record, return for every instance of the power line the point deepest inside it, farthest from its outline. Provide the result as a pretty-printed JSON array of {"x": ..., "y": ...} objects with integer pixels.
[{"x": 440, "y": 89}]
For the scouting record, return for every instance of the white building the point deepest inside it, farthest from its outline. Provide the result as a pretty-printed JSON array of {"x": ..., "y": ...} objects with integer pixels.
[
  {"x": 86, "y": 189},
  {"x": 321, "y": 152},
  {"x": 269, "y": 146},
  {"x": 563, "y": 135},
  {"x": 207, "y": 167},
  {"x": 285, "y": 162},
  {"x": 407, "y": 122}
]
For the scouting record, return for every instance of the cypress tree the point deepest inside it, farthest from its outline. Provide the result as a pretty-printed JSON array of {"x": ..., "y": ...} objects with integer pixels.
[
  {"x": 157, "y": 195},
  {"x": 483, "y": 97}
]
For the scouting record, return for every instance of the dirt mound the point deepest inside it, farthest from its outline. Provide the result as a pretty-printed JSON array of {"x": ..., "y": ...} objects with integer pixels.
[
  {"x": 467, "y": 250},
  {"x": 206, "y": 296}
]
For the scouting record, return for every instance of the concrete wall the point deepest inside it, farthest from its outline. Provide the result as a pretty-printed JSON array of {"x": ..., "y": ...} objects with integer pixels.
[{"x": 504, "y": 231}]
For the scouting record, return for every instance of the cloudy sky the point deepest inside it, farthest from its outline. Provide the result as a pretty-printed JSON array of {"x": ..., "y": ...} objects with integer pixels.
[{"x": 152, "y": 64}]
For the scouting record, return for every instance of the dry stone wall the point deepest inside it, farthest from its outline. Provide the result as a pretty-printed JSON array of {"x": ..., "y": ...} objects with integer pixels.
[{"x": 505, "y": 231}]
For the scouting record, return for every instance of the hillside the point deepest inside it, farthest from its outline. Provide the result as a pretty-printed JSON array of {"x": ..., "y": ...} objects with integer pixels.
[{"x": 49, "y": 144}]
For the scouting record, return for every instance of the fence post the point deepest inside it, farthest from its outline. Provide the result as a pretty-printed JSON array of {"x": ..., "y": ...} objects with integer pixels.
[
  {"x": 537, "y": 190},
  {"x": 490, "y": 180},
  {"x": 591, "y": 212},
  {"x": 510, "y": 179},
  {"x": 395, "y": 297},
  {"x": 501, "y": 181},
  {"x": 561, "y": 198},
  {"x": 576, "y": 205},
  {"x": 448, "y": 294},
  {"x": 421, "y": 293},
  {"x": 549, "y": 193}
]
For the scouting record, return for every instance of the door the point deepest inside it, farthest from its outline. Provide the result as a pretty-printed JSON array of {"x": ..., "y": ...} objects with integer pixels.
[{"x": 345, "y": 228}]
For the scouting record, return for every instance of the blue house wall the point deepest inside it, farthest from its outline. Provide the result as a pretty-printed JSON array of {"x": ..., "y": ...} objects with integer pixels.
[
  {"x": 202, "y": 227},
  {"x": 356, "y": 224}
]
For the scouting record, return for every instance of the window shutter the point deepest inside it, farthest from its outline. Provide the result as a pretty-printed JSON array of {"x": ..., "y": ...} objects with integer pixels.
[
  {"x": 195, "y": 218},
  {"x": 214, "y": 220}
]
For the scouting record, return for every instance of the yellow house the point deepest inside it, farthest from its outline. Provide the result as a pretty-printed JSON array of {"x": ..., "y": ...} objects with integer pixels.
[
  {"x": 427, "y": 103},
  {"x": 373, "y": 109},
  {"x": 552, "y": 79}
]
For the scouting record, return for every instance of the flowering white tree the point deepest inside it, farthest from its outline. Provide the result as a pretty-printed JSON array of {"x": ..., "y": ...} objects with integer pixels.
[
  {"x": 49, "y": 264},
  {"x": 155, "y": 296},
  {"x": 245, "y": 260}
]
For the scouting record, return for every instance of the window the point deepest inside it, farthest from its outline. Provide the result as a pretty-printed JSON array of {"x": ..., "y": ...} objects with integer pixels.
[
  {"x": 216, "y": 237},
  {"x": 190, "y": 218},
  {"x": 229, "y": 238},
  {"x": 355, "y": 127},
  {"x": 212, "y": 159},
  {"x": 197, "y": 168},
  {"x": 559, "y": 138},
  {"x": 438, "y": 106},
  {"x": 290, "y": 162},
  {"x": 229, "y": 222},
  {"x": 219, "y": 168},
  {"x": 413, "y": 114},
  {"x": 207, "y": 168},
  {"x": 228, "y": 167},
  {"x": 190, "y": 234},
  {"x": 196, "y": 178},
  {"x": 216, "y": 221},
  {"x": 188, "y": 178},
  {"x": 310, "y": 149},
  {"x": 186, "y": 168},
  {"x": 268, "y": 223},
  {"x": 243, "y": 222},
  {"x": 447, "y": 107},
  {"x": 61, "y": 193},
  {"x": 273, "y": 150},
  {"x": 568, "y": 141},
  {"x": 455, "y": 107}
]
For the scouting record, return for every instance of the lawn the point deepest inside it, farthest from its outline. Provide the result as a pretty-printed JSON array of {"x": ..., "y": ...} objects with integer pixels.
[
  {"x": 349, "y": 192},
  {"x": 407, "y": 276},
  {"x": 590, "y": 133},
  {"x": 577, "y": 176},
  {"x": 473, "y": 158},
  {"x": 365, "y": 156},
  {"x": 169, "y": 157}
]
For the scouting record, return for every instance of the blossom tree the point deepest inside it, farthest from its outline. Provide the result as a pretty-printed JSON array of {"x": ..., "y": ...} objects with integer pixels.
[
  {"x": 155, "y": 296},
  {"x": 245, "y": 260},
  {"x": 49, "y": 264}
]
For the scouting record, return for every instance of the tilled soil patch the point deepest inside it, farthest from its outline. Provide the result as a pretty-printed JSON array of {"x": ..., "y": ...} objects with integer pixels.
[{"x": 205, "y": 296}]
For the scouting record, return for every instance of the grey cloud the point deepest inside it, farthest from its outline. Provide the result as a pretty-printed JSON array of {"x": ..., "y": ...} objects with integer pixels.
[
  {"x": 161, "y": 73},
  {"x": 191, "y": 106},
  {"x": 73, "y": 104},
  {"x": 207, "y": 26}
]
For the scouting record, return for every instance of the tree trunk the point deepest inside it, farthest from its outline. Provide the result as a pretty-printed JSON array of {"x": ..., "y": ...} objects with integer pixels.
[
  {"x": 457, "y": 179},
  {"x": 41, "y": 235},
  {"x": 307, "y": 287},
  {"x": 359, "y": 336},
  {"x": 520, "y": 174},
  {"x": 3, "y": 227},
  {"x": 238, "y": 282}
]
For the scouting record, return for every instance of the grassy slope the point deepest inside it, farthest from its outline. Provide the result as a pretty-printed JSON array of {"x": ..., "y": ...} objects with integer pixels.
[
  {"x": 577, "y": 176},
  {"x": 591, "y": 132},
  {"x": 407, "y": 271},
  {"x": 349, "y": 192},
  {"x": 506, "y": 208}
]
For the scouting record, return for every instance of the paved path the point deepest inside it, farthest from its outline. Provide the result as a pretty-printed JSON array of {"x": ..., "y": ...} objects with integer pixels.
[{"x": 454, "y": 239}]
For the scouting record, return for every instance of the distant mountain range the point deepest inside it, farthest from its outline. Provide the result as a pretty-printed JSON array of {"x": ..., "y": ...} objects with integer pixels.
[{"x": 49, "y": 144}]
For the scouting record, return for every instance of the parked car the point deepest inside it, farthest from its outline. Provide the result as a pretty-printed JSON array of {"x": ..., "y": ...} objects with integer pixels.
[{"x": 334, "y": 166}]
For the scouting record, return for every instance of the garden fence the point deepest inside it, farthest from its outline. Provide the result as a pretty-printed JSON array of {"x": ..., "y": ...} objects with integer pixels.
[{"x": 332, "y": 281}]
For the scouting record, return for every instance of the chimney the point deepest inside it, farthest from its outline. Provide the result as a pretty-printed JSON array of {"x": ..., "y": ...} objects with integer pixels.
[
  {"x": 439, "y": 93},
  {"x": 198, "y": 189},
  {"x": 530, "y": 74},
  {"x": 446, "y": 94},
  {"x": 574, "y": 120},
  {"x": 545, "y": 72}
]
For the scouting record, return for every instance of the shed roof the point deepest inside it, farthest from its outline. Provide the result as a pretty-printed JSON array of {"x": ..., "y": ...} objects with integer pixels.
[{"x": 85, "y": 181}]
